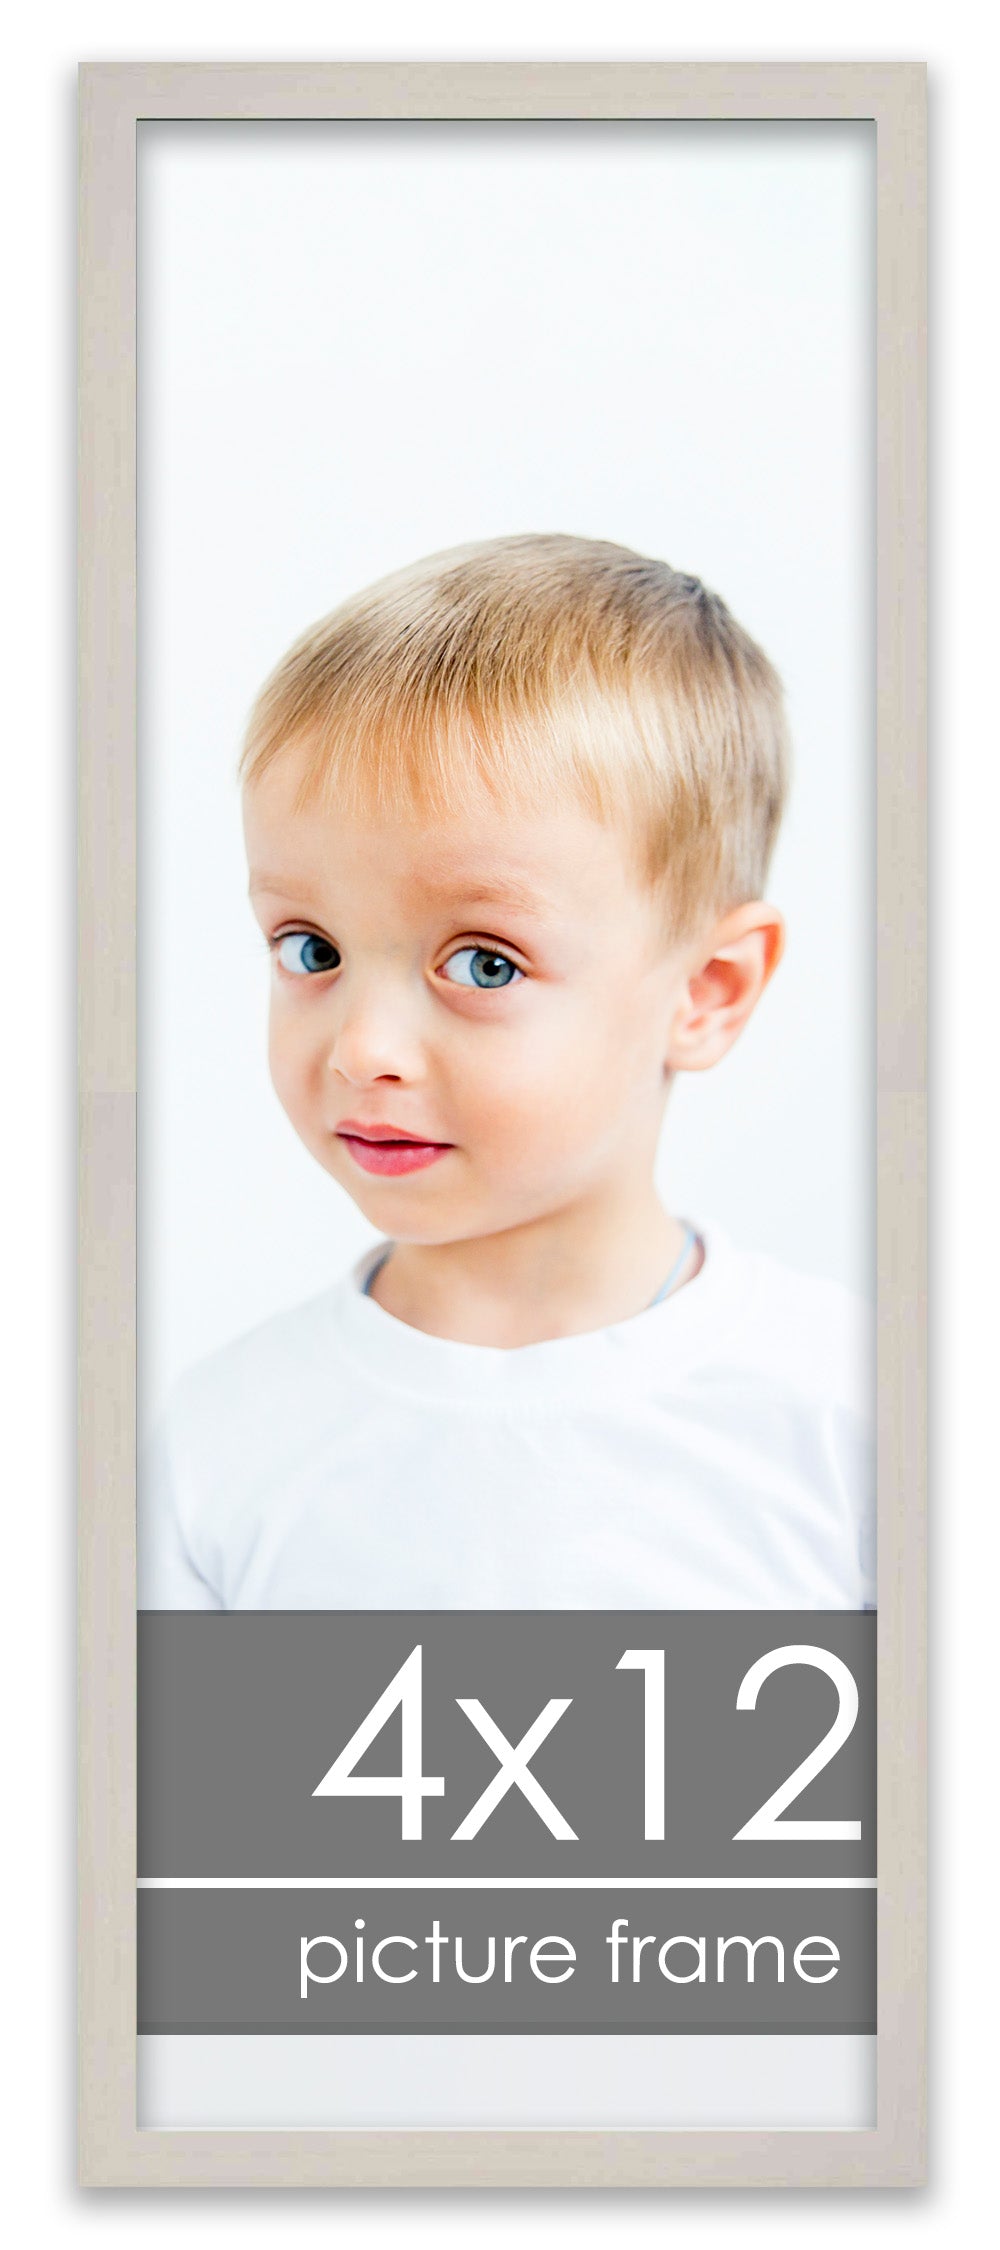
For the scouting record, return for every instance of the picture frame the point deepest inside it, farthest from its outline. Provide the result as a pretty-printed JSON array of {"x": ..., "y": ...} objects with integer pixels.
[{"x": 114, "y": 100}]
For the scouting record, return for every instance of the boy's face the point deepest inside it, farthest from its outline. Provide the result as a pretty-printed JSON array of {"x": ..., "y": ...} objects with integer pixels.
[{"x": 469, "y": 1019}]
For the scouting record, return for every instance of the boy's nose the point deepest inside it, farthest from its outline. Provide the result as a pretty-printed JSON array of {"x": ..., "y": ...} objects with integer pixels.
[{"x": 372, "y": 1041}]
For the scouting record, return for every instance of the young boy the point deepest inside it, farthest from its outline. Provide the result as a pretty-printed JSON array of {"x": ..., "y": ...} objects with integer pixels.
[{"x": 508, "y": 817}]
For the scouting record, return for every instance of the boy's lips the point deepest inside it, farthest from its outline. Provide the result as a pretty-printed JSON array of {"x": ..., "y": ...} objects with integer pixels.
[{"x": 386, "y": 1150}]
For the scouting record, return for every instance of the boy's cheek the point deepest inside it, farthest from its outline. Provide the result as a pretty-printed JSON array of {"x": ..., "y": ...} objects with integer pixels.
[
  {"x": 277, "y": 1068},
  {"x": 290, "y": 1085},
  {"x": 286, "y": 1054}
]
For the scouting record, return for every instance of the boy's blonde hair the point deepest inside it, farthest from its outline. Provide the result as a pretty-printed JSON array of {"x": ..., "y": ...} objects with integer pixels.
[{"x": 538, "y": 666}]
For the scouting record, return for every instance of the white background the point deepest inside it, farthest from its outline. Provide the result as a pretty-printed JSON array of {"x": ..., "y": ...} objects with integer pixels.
[
  {"x": 38, "y": 426},
  {"x": 358, "y": 345}
]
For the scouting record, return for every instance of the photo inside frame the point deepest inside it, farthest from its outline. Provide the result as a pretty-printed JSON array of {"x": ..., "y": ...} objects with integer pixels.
[{"x": 361, "y": 344}]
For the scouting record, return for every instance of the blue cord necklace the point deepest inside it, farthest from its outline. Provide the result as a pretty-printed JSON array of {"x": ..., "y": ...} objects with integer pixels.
[
  {"x": 670, "y": 1283},
  {"x": 676, "y": 1269}
]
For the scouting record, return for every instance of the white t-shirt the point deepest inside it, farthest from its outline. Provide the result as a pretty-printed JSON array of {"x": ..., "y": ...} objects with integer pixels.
[{"x": 714, "y": 1452}]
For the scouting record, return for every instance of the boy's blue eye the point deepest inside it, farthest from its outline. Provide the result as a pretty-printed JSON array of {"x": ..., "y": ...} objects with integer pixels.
[
  {"x": 476, "y": 966},
  {"x": 304, "y": 954}
]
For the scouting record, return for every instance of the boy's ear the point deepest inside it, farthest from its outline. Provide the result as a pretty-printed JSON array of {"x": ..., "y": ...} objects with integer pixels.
[{"x": 724, "y": 984}]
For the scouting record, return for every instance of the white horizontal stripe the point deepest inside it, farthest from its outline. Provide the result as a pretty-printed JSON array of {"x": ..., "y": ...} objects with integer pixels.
[{"x": 506, "y": 1882}]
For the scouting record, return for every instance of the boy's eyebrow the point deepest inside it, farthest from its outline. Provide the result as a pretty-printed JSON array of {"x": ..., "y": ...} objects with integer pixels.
[
  {"x": 508, "y": 891},
  {"x": 277, "y": 884}
]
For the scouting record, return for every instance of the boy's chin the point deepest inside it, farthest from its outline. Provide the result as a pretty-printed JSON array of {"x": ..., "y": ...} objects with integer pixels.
[
  {"x": 393, "y": 1208},
  {"x": 418, "y": 1208}
]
